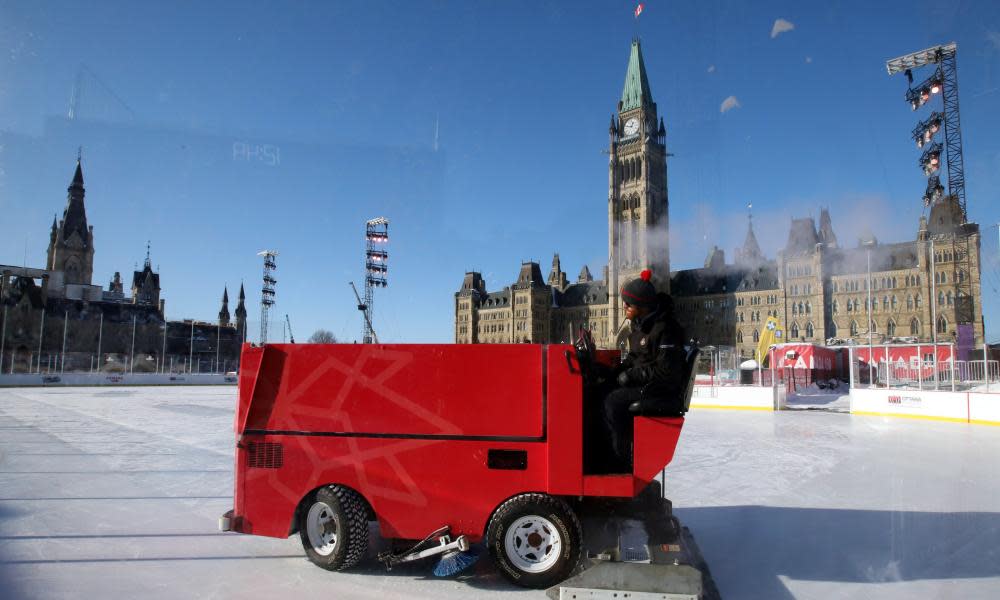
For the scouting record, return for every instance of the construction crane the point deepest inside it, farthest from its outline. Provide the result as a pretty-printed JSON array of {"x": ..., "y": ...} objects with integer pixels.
[
  {"x": 364, "y": 310},
  {"x": 291, "y": 336}
]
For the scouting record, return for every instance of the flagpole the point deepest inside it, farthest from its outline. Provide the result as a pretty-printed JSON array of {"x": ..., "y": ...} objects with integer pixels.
[{"x": 871, "y": 357}]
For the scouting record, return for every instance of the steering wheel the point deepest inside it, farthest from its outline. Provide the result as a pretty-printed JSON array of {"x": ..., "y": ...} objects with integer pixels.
[{"x": 585, "y": 350}]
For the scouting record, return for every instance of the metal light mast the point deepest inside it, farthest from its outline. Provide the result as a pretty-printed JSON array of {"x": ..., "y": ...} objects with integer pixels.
[
  {"x": 376, "y": 269},
  {"x": 944, "y": 81},
  {"x": 267, "y": 291}
]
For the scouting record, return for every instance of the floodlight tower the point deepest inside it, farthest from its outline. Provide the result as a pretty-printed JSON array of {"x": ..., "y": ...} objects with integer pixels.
[
  {"x": 267, "y": 291},
  {"x": 376, "y": 269},
  {"x": 943, "y": 81}
]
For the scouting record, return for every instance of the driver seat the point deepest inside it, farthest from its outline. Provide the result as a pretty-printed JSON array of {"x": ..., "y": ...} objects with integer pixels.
[{"x": 655, "y": 401}]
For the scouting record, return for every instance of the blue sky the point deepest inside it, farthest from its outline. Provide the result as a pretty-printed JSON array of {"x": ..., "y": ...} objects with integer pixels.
[{"x": 345, "y": 97}]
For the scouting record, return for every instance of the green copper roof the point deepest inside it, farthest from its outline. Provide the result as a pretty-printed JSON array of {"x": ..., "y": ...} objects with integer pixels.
[{"x": 636, "y": 92}]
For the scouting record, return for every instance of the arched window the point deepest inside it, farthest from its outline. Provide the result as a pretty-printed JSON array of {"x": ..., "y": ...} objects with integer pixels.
[
  {"x": 890, "y": 328},
  {"x": 914, "y": 326},
  {"x": 916, "y": 301},
  {"x": 940, "y": 298},
  {"x": 950, "y": 299},
  {"x": 638, "y": 168},
  {"x": 874, "y": 326},
  {"x": 808, "y": 308},
  {"x": 909, "y": 302},
  {"x": 942, "y": 324},
  {"x": 917, "y": 280},
  {"x": 809, "y": 329},
  {"x": 795, "y": 330},
  {"x": 756, "y": 336},
  {"x": 801, "y": 309},
  {"x": 885, "y": 302},
  {"x": 893, "y": 302},
  {"x": 795, "y": 308},
  {"x": 739, "y": 337},
  {"x": 833, "y": 329},
  {"x": 834, "y": 307},
  {"x": 854, "y": 328}
]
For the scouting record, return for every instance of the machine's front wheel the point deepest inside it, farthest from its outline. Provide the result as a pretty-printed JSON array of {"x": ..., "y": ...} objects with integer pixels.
[
  {"x": 333, "y": 526},
  {"x": 535, "y": 540}
]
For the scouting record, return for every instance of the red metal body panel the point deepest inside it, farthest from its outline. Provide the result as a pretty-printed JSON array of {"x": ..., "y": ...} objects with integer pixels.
[{"x": 410, "y": 427}]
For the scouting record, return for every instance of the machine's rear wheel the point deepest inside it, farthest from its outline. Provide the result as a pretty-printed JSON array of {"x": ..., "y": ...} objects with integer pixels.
[
  {"x": 333, "y": 526},
  {"x": 535, "y": 540}
]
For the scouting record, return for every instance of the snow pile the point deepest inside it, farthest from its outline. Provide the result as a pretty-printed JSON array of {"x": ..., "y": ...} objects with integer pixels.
[{"x": 831, "y": 394}]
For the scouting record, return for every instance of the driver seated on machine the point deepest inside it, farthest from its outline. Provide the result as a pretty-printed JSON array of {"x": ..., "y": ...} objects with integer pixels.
[{"x": 650, "y": 378}]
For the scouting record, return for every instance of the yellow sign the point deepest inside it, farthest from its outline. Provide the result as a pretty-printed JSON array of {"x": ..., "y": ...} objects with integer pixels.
[{"x": 772, "y": 334}]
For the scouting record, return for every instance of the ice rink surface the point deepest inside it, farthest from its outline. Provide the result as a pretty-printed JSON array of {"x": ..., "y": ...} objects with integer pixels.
[{"x": 115, "y": 493}]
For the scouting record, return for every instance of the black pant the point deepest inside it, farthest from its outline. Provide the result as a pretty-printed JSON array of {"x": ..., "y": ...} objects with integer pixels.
[{"x": 618, "y": 423}]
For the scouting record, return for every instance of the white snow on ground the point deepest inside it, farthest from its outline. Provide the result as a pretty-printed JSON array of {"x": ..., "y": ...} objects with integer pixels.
[
  {"x": 832, "y": 395},
  {"x": 114, "y": 493}
]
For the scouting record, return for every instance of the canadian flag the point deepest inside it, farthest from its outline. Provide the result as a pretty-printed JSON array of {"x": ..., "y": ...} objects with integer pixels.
[{"x": 638, "y": 10}]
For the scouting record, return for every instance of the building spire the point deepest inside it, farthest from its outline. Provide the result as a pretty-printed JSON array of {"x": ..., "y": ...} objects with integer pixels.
[
  {"x": 146, "y": 264},
  {"x": 826, "y": 234},
  {"x": 636, "y": 92},
  {"x": 78, "y": 175},
  {"x": 224, "y": 311},
  {"x": 750, "y": 252},
  {"x": 75, "y": 213}
]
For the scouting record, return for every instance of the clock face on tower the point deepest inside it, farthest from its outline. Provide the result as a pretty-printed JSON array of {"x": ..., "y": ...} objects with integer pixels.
[{"x": 632, "y": 126}]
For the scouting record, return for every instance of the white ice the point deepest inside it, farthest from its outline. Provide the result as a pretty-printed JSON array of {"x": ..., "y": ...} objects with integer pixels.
[{"x": 115, "y": 492}]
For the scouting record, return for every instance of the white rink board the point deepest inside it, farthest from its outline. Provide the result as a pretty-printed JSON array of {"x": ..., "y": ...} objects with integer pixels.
[
  {"x": 984, "y": 408},
  {"x": 736, "y": 397},
  {"x": 62, "y": 379},
  {"x": 920, "y": 404}
]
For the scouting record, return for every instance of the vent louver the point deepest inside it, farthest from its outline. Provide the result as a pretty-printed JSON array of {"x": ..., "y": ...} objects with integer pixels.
[{"x": 265, "y": 455}]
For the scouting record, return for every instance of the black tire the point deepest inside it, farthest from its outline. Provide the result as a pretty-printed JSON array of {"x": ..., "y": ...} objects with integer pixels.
[
  {"x": 339, "y": 511},
  {"x": 521, "y": 541}
]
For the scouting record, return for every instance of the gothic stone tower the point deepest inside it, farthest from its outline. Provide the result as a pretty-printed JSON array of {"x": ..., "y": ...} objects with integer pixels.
[
  {"x": 637, "y": 188},
  {"x": 71, "y": 242}
]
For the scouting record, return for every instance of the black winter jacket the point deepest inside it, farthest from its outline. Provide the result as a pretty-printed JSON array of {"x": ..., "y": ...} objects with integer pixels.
[{"x": 656, "y": 350}]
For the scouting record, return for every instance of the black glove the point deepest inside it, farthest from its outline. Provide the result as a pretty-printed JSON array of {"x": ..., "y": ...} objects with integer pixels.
[{"x": 623, "y": 379}]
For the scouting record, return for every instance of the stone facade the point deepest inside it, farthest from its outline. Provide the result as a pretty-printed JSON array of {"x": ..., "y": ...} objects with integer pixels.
[
  {"x": 57, "y": 311},
  {"x": 927, "y": 289}
]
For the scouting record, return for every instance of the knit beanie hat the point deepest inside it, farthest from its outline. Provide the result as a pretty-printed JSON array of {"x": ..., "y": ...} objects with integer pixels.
[{"x": 640, "y": 292}]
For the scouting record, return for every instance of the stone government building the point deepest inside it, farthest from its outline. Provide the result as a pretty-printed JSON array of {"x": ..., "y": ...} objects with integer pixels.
[
  {"x": 925, "y": 289},
  {"x": 39, "y": 305}
]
